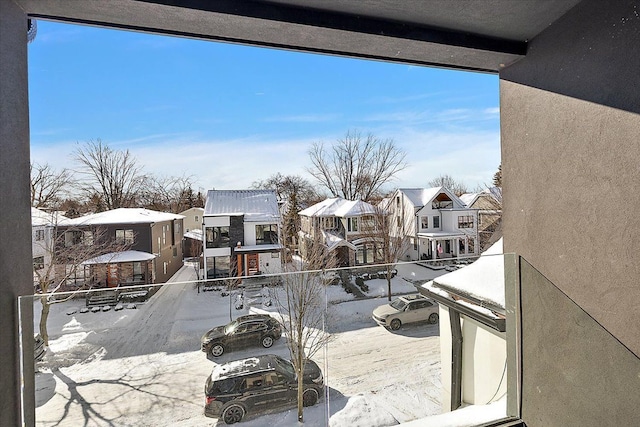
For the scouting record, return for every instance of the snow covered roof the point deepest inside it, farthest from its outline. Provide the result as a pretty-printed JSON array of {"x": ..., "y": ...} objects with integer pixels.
[
  {"x": 117, "y": 257},
  {"x": 339, "y": 207},
  {"x": 121, "y": 216},
  {"x": 420, "y": 197},
  {"x": 470, "y": 198},
  {"x": 274, "y": 247},
  {"x": 195, "y": 234},
  {"x": 332, "y": 241},
  {"x": 42, "y": 218},
  {"x": 482, "y": 280},
  {"x": 255, "y": 205}
]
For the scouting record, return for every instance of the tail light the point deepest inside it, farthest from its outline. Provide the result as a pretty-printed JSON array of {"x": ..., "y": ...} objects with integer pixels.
[{"x": 209, "y": 399}]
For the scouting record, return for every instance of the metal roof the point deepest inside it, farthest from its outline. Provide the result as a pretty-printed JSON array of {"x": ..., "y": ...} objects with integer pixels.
[{"x": 254, "y": 205}]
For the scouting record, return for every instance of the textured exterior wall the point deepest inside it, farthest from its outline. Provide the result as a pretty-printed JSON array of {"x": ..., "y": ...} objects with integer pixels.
[
  {"x": 16, "y": 277},
  {"x": 570, "y": 157}
]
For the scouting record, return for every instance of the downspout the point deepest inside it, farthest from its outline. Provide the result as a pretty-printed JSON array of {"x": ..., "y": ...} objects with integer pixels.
[{"x": 456, "y": 359}]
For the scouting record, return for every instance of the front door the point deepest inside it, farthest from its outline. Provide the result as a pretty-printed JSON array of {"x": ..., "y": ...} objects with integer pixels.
[{"x": 252, "y": 264}]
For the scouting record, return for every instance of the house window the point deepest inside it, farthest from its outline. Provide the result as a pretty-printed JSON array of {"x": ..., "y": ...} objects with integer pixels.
[
  {"x": 352, "y": 224},
  {"x": 38, "y": 263},
  {"x": 39, "y": 235},
  {"x": 175, "y": 252},
  {"x": 398, "y": 221},
  {"x": 436, "y": 222},
  {"x": 138, "y": 274},
  {"x": 217, "y": 237},
  {"x": 124, "y": 237},
  {"x": 424, "y": 222},
  {"x": 218, "y": 266},
  {"x": 164, "y": 267},
  {"x": 328, "y": 223},
  {"x": 197, "y": 218},
  {"x": 87, "y": 238},
  {"x": 266, "y": 234},
  {"x": 367, "y": 253},
  {"x": 465, "y": 221},
  {"x": 72, "y": 238}
]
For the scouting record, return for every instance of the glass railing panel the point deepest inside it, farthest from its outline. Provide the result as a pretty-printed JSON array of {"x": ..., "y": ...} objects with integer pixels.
[{"x": 133, "y": 355}]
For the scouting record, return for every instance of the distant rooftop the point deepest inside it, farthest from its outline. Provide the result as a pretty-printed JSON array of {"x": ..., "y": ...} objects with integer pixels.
[
  {"x": 339, "y": 207},
  {"x": 121, "y": 216}
]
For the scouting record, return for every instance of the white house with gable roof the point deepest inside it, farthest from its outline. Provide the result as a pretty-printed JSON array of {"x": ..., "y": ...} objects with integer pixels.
[
  {"x": 438, "y": 224},
  {"x": 343, "y": 226}
]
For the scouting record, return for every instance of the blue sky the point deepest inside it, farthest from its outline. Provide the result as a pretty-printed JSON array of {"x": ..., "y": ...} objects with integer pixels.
[{"x": 229, "y": 115}]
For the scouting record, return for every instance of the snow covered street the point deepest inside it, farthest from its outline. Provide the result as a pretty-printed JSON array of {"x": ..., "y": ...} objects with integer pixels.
[{"x": 144, "y": 366}]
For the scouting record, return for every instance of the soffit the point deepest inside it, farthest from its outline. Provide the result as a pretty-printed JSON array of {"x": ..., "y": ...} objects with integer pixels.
[{"x": 474, "y": 35}]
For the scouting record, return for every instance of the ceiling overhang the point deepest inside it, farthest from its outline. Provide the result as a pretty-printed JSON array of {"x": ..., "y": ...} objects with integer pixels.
[{"x": 480, "y": 36}]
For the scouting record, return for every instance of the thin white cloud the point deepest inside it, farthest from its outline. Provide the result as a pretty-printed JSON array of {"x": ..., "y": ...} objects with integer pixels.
[{"x": 302, "y": 118}]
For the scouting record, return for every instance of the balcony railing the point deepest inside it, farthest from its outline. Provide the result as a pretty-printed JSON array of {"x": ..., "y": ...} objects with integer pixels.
[{"x": 139, "y": 361}]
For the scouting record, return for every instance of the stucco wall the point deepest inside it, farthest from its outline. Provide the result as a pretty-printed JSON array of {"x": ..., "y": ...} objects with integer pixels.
[
  {"x": 16, "y": 275},
  {"x": 570, "y": 156}
]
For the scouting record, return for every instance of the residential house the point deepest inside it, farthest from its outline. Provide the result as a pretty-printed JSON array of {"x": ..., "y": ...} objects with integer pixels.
[
  {"x": 192, "y": 222},
  {"x": 489, "y": 205},
  {"x": 473, "y": 337},
  {"x": 344, "y": 226},
  {"x": 192, "y": 219},
  {"x": 42, "y": 240},
  {"x": 438, "y": 224},
  {"x": 144, "y": 231},
  {"x": 242, "y": 231}
]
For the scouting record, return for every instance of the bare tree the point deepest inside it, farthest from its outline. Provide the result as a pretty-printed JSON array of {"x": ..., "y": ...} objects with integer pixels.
[
  {"x": 356, "y": 167},
  {"x": 296, "y": 194},
  {"x": 301, "y": 302},
  {"x": 65, "y": 253},
  {"x": 457, "y": 187},
  {"x": 48, "y": 187},
  {"x": 113, "y": 176},
  {"x": 389, "y": 237},
  {"x": 169, "y": 194}
]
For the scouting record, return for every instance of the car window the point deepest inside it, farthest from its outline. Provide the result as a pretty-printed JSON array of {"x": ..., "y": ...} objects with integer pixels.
[
  {"x": 273, "y": 378},
  {"x": 224, "y": 386},
  {"x": 256, "y": 326},
  {"x": 241, "y": 329},
  {"x": 398, "y": 304},
  {"x": 252, "y": 382}
]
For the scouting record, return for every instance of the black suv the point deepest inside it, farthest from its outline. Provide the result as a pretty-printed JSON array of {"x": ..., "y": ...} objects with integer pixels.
[
  {"x": 261, "y": 383},
  {"x": 252, "y": 329}
]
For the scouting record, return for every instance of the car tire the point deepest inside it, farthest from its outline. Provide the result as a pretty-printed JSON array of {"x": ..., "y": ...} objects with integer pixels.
[
  {"x": 267, "y": 341},
  {"x": 216, "y": 349},
  {"x": 233, "y": 414},
  {"x": 433, "y": 318},
  {"x": 309, "y": 397},
  {"x": 395, "y": 324}
]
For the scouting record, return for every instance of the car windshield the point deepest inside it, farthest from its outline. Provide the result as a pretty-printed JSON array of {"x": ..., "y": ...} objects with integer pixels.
[
  {"x": 398, "y": 304},
  {"x": 231, "y": 327},
  {"x": 285, "y": 365}
]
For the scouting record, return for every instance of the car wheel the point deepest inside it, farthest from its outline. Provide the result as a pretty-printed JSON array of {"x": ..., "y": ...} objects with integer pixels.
[
  {"x": 395, "y": 324},
  {"x": 433, "y": 318},
  {"x": 309, "y": 397},
  {"x": 267, "y": 341},
  {"x": 233, "y": 414},
  {"x": 216, "y": 350}
]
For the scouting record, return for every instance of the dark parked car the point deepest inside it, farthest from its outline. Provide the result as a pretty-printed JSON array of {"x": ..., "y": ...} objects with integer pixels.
[
  {"x": 249, "y": 330},
  {"x": 258, "y": 384}
]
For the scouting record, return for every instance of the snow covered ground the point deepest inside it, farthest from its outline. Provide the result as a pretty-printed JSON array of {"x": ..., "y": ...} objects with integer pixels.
[{"x": 144, "y": 367}]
